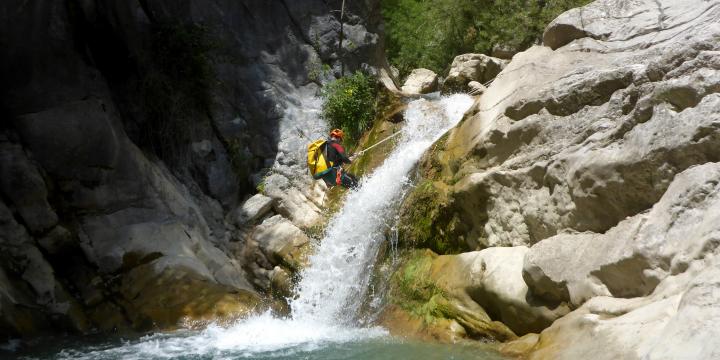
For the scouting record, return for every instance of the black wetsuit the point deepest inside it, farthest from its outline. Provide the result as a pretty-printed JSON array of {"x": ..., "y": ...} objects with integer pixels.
[{"x": 335, "y": 153}]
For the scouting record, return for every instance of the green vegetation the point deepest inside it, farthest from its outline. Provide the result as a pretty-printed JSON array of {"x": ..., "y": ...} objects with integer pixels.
[
  {"x": 349, "y": 104},
  {"x": 176, "y": 87},
  {"x": 429, "y": 33},
  {"x": 426, "y": 221}
]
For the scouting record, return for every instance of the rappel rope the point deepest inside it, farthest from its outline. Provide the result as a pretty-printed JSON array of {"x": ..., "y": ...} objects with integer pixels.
[{"x": 378, "y": 143}]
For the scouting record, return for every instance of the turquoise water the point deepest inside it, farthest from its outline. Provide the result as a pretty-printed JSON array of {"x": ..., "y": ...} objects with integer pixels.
[{"x": 170, "y": 346}]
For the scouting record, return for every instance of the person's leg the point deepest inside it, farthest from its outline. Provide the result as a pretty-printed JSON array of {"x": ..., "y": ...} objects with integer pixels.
[
  {"x": 349, "y": 180},
  {"x": 330, "y": 178}
]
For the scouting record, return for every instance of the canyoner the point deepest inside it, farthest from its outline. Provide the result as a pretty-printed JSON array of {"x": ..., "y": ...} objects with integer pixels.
[
  {"x": 325, "y": 159},
  {"x": 325, "y": 162}
]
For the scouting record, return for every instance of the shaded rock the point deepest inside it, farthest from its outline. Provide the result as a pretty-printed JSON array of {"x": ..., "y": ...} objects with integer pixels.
[
  {"x": 22, "y": 183},
  {"x": 471, "y": 67},
  {"x": 420, "y": 81},
  {"x": 281, "y": 284},
  {"x": 169, "y": 297},
  {"x": 57, "y": 240}
]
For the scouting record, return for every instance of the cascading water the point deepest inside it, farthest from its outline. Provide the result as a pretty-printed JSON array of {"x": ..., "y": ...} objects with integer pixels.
[{"x": 334, "y": 286}]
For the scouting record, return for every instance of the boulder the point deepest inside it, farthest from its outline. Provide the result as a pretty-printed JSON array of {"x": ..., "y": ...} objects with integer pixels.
[
  {"x": 471, "y": 67},
  {"x": 672, "y": 323},
  {"x": 476, "y": 88},
  {"x": 429, "y": 297},
  {"x": 493, "y": 278},
  {"x": 420, "y": 81},
  {"x": 505, "y": 52},
  {"x": 293, "y": 203},
  {"x": 252, "y": 209},
  {"x": 282, "y": 242}
]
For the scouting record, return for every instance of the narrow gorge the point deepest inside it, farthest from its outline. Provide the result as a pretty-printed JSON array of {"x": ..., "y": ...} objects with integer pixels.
[{"x": 555, "y": 200}]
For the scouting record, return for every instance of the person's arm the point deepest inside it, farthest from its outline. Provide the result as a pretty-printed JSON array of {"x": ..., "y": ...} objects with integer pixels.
[{"x": 341, "y": 154}]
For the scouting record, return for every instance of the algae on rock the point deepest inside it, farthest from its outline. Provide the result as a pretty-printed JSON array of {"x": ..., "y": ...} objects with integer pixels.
[{"x": 417, "y": 303}]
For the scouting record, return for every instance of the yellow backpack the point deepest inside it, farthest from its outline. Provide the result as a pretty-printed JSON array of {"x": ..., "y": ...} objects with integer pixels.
[{"x": 317, "y": 159}]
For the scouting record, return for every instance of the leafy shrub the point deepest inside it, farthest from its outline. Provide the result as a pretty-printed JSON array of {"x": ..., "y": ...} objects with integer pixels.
[
  {"x": 349, "y": 104},
  {"x": 429, "y": 33}
]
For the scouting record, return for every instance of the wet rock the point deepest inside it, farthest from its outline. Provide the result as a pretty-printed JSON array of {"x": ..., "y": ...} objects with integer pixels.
[
  {"x": 476, "y": 88},
  {"x": 420, "y": 81}
]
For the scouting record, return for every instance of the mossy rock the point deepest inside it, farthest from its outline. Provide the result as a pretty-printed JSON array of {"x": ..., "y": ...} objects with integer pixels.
[
  {"x": 179, "y": 296},
  {"x": 418, "y": 304},
  {"x": 427, "y": 220}
]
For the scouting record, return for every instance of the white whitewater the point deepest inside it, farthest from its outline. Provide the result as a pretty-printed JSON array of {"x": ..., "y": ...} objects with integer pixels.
[{"x": 334, "y": 286}]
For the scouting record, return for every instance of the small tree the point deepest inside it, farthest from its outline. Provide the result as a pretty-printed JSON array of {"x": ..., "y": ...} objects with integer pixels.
[{"x": 349, "y": 104}]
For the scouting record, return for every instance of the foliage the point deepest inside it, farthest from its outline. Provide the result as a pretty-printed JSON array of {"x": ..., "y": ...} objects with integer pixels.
[
  {"x": 429, "y": 33},
  {"x": 349, "y": 104},
  {"x": 176, "y": 87}
]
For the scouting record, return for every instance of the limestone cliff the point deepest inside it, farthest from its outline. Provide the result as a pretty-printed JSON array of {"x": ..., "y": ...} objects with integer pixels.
[
  {"x": 594, "y": 157},
  {"x": 132, "y": 131}
]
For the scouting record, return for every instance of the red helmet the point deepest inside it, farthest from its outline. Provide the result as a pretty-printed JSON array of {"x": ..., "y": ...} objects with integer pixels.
[{"x": 337, "y": 133}]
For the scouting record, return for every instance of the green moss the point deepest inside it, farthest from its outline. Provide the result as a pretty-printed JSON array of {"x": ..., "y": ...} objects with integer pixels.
[
  {"x": 414, "y": 290},
  {"x": 426, "y": 220}
]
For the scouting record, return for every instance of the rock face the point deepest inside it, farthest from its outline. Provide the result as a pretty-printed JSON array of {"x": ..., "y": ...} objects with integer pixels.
[
  {"x": 471, "y": 67},
  {"x": 651, "y": 274},
  {"x": 420, "y": 81},
  {"x": 132, "y": 132},
  {"x": 596, "y": 151}
]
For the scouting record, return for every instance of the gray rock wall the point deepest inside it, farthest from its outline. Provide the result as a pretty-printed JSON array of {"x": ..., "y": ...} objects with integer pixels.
[{"x": 131, "y": 130}]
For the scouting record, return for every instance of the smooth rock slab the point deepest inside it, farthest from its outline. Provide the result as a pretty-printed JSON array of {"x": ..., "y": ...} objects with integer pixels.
[{"x": 420, "y": 81}]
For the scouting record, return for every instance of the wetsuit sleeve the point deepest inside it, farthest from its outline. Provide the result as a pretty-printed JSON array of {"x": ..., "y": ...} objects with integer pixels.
[{"x": 342, "y": 157}]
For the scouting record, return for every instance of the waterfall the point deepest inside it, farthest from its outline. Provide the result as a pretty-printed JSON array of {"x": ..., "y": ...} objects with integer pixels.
[{"x": 334, "y": 285}]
